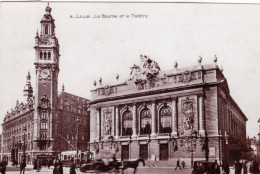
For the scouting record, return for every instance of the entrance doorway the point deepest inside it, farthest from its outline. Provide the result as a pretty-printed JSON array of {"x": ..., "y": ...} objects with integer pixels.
[
  {"x": 144, "y": 151},
  {"x": 125, "y": 152},
  {"x": 164, "y": 153}
]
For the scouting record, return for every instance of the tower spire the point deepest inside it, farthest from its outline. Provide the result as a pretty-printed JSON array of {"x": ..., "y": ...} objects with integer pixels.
[
  {"x": 28, "y": 90},
  {"x": 48, "y": 9}
]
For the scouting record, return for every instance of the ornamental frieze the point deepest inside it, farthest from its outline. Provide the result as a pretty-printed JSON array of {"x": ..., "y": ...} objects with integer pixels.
[
  {"x": 187, "y": 76},
  {"x": 107, "y": 90}
]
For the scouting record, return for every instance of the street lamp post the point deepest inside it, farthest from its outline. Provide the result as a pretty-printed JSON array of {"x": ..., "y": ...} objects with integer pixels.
[
  {"x": 77, "y": 134},
  {"x": 13, "y": 152}
]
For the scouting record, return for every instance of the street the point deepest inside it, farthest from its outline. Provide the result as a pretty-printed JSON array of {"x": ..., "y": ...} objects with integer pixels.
[{"x": 140, "y": 170}]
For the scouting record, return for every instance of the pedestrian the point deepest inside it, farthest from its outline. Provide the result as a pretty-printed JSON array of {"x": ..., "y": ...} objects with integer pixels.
[
  {"x": 38, "y": 165},
  {"x": 49, "y": 163},
  {"x": 178, "y": 164},
  {"x": 22, "y": 166},
  {"x": 251, "y": 168},
  {"x": 183, "y": 164},
  {"x": 225, "y": 167},
  {"x": 244, "y": 167},
  {"x": 3, "y": 167},
  {"x": 72, "y": 167},
  {"x": 35, "y": 164},
  {"x": 61, "y": 166},
  {"x": 216, "y": 167},
  {"x": 55, "y": 162},
  {"x": 256, "y": 167},
  {"x": 238, "y": 167}
]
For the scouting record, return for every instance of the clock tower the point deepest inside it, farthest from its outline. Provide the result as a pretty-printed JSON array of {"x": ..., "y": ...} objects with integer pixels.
[{"x": 46, "y": 92}]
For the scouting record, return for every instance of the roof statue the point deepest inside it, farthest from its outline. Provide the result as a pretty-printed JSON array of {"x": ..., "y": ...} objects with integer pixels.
[{"x": 144, "y": 75}]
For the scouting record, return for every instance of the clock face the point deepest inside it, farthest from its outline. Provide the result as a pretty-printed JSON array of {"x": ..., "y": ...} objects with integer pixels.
[{"x": 45, "y": 74}]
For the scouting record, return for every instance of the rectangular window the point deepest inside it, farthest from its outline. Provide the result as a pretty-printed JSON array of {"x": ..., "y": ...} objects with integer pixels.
[
  {"x": 43, "y": 135},
  {"x": 44, "y": 115},
  {"x": 43, "y": 125}
]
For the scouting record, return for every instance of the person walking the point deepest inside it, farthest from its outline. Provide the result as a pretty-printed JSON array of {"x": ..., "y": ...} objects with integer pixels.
[
  {"x": 216, "y": 167},
  {"x": 238, "y": 167},
  {"x": 22, "y": 166},
  {"x": 38, "y": 165},
  {"x": 183, "y": 164},
  {"x": 225, "y": 167},
  {"x": 256, "y": 167},
  {"x": 244, "y": 167},
  {"x": 35, "y": 164},
  {"x": 49, "y": 163},
  {"x": 72, "y": 167},
  {"x": 178, "y": 164}
]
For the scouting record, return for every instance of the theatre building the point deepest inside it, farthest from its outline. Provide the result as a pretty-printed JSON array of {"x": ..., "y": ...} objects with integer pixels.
[
  {"x": 48, "y": 121},
  {"x": 160, "y": 115}
]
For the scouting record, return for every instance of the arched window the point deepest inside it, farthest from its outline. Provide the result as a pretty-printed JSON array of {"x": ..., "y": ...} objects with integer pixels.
[
  {"x": 49, "y": 55},
  {"x": 40, "y": 55},
  {"x": 46, "y": 29},
  {"x": 127, "y": 123},
  {"x": 165, "y": 120},
  {"x": 145, "y": 121},
  {"x": 45, "y": 55}
]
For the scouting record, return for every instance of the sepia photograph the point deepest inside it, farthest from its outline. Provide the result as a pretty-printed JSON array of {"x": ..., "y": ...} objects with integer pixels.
[{"x": 129, "y": 87}]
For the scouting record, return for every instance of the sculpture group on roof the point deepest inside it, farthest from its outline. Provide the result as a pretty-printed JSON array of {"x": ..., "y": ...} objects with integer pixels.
[{"x": 145, "y": 73}]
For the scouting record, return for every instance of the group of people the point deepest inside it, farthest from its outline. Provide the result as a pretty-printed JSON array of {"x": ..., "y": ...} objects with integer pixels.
[
  {"x": 179, "y": 164},
  {"x": 58, "y": 166},
  {"x": 246, "y": 167}
]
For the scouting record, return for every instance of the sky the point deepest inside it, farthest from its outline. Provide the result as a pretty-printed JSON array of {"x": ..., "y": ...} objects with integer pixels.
[{"x": 95, "y": 47}]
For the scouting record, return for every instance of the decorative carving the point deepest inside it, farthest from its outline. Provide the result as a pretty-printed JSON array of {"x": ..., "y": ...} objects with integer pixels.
[
  {"x": 107, "y": 90},
  {"x": 165, "y": 111},
  {"x": 146, "y": 113},
  {"x": 45, "y": 102},
  {"x": 128, "y": 115},
  {"x": 45, "y": 74},
  {"x": 107, "y": 121},
  {"x": 187, "y": 76},
  {"x": 187, "y": 116},
  {"x": 145, "y": 75}
]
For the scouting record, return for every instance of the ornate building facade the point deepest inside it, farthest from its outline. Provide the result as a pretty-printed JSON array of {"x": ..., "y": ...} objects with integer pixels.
[
  {"x": 49, "y": 121},
  {"x": 165, "y": 115}
]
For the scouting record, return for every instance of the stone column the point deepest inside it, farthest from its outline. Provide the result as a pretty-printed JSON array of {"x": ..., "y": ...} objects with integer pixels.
[
  {"x": 201, "y": 115},
  {"x": 117, "y": 122},
  {"x": 153, "y": 134},
  {"x": 51, "y": 135},
  {"x": 134, "y": 120},
  {"x": 98, "y": 124},
  {"x": 174, "y": 117}
]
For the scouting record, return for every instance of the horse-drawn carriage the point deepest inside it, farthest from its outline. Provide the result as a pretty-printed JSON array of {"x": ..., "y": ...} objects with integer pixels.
[{"x": 99, "y": 165}]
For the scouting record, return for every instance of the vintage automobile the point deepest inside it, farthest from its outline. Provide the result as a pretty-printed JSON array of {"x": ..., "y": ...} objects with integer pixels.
[
  {"x": 91, "y": 165},
  {"x": 99, "y": 165},
  {"x": 202, "y": 167}
]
